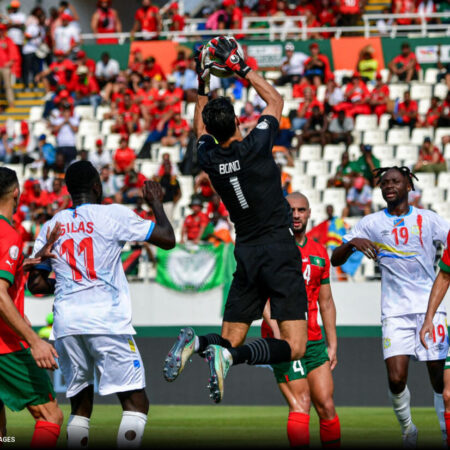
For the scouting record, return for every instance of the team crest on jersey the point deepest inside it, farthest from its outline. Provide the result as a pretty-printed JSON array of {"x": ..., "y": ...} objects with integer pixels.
[
  {"x": 263, "y": 125},
  {"x": 399, "y": 222},
  {"x": 14, "y": 252},
  {"x": 415, "y": 230}
]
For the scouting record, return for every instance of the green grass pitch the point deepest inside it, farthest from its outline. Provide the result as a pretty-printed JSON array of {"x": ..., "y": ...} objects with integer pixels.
[{"x": 238, "y": 426}]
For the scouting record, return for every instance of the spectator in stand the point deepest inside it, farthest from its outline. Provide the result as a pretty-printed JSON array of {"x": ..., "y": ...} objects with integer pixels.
[
  {"x": 36, "y": 199},
  {"x": 99, "y": 157},
  {"x": 148, "y": 21},
  {"x": 404, "y": 7},
  {"x": 433, "y": 113},
  {"x": 367, "y": 163},
  {"x": 346, "y": 171},
  {"x": 170, "y": 186},
  {"x": 146, "y": 96},
  {"x": 106, "y": 70},
  {"x": 367, "y": 65},
  {"x": 359, "y": 199},
  {"x": 106, "y": 20},
  {"x": 173, "y": 95},
  {"x": 58, "y": 198},
  {"x": 132, "y": 186},
  {"x": 203, "y": 187},
  {"x": 292, "y": 66},
  {"x": 281, "y": 28},
  {"x": 195, "y": 224},
  {"x": 317, "y": 66},
  {"x": 141, "y": 211},
  {"x": 340, "y": 129},
  {"x": 349, "y": 12},
  {"x": 58, "y": 74},
  {"x": 162, "y": 167},
  {"x": 444, "y": 119},
  {"x": 216, "y": 207},
  {"x": 405, "y": 115},
  {"x": 235, "y": 14},
  {"x": 248, "y": 119},
  {"x": 124, "y": 157},
  {"x": 81, "y": 59},
  {"x": 315, "y": 129},
  {"x": 430, "y": 159},
  {"x": 8, "y": 57},
  {"x": 333, "y": 95},
  {"x": 128, "y": 111},
  {"x": 15, "y": 21},
  {"x": 85, "y": 88},
  {"x": 177, "y": 21},
  {"x": 356, "y": 97},
  {"x": 160, "y": 116},
  {"x": 405, "y": 65},
  {"x": 65, "y": 128},
  {"x": 111, "y": 186},
  {"x": 186, "y": 79},
  {"x": 312, "y": 22},
  {"x": 426, "y": 7},
  {"x": 46, "y": 151},
  {"x": 46, "y": 180},
  {"x": 305, "y": 108},
  {"x": 379, "y": 97},
  {"x": 67, "y": 37},
  {"x": 177, "y": 131},
  {"x": 384, "y": 24},
  {"x": 444, "y": 69},
  {"x": 327, "y": 16}
]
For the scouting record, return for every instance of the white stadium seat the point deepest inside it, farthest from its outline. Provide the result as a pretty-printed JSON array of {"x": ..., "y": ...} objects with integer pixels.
[
  {"x": 407, "y": 152},
  {"x": 374, "y": 137},
  {"x": 40, "y": 128},
  {"x": 442, "y": 208},
  {"x": 365, "y": 122},
  {"x": 396, "y": 91},
  {"x": 85, "y": 112},
  {"x": 420, "y": 91},
  {"x": 285, "y": 91},
  {"x": 398, "y": 136},
  {"x": 444, "y": 180},
  {"x": 388, "y": 162},
  {"x": 419, "y": 134},
  {"x": 425, "y": 180},
  {"x": 377, "y": 199},
  {"x": 333, "y": 152},
  {"x": 148, "y": 168},
  {"x": 320, "y": 94},
  {"x": 384, "y": 122},
  {"x": 424, "y": 105},
  {"x": 440, "y": 90},
  {"x": 174, "y": 153},
  {"x": 354, "y": 152},
  {"x": 290, "y": 105},
  {"x": 432, "y": 195},
  {"x": 310, "y": 152},
  {"x": 383, "y": 151},
  {"x": 112, "y": 141},
  {"x": 106, "y": 126},
  {"x": 302, "y": 182},
  {"x": 89, "y": 142},
  {"x": 89, "y": 127},
  {"x": 357, "y": 137},
  {"x": 431, "y": 75},
  {"x": 137, "y": 140},
  {"x": 101, "y": 111},
  {"x": 317, "y": 168},
  {"x": 440, "y": 133},
  {"x": 384, "y": 74},
  {"x": 36, "y": 113},
  {"x": 447, "y": 152},
  {"x": 333, "y": 196}
]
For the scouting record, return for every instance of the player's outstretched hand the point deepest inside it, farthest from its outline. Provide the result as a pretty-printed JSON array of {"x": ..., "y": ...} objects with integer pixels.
[
  {"x": 227, "y": 51},
  {"x": 29, "y": 263},
  {"x": 203, "y": 74},
  {"x": 427, "y": 329},
  {"x": 152, "y": 191},
  {"x": 332, "y": 354},
  {"x": 366, "y": 246},
  {"x": 44, "y": 354},
  {"x": 52, "y": 236}
]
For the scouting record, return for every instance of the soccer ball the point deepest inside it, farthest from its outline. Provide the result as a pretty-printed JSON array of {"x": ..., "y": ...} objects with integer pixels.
[{"x": 217, "y": 67}]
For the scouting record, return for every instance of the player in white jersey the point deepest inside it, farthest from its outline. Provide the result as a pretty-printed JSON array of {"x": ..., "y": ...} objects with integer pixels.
[
  {"x": 92, "y": 308},
  {"x": 403, "y": 241}
]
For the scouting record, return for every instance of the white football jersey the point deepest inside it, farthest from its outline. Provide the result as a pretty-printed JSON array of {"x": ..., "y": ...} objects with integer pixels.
[
  {"x": 91, "y": 294},
  {"x": 407, "y": 250}
]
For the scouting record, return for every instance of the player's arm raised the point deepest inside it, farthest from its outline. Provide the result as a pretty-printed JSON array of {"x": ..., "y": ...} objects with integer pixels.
[
  {"x": 328, "y": 313},
  {"x": 440, "y": 288},
  {"x": 43, "y": 353},
  {"x": 202, "y": 94},
  {"x": 163, "y": 235}
]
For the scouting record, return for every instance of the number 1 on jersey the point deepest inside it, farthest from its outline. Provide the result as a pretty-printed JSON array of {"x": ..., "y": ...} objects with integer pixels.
[
  {"x": 238, "y": 191},
  {"x": 86, "y": 246}
]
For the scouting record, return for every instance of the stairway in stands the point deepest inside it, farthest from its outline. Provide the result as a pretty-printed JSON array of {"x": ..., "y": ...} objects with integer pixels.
[
  {"x": 22, "y": 103},
  {"x": 377, "y": 6}
]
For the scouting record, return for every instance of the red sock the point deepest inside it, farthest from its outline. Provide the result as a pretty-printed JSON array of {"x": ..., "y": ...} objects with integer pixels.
[
  {"x": 45, "y": 434},
  {"x": 447, "y": 426},
  {"x": 298, "y": 429},
  {"x": 330, "y": 433}
]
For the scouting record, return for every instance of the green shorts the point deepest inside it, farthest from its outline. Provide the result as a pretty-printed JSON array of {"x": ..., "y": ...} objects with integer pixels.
[
  {"x": 22, "y": 382},
  {"x": 316, "y": 355}
]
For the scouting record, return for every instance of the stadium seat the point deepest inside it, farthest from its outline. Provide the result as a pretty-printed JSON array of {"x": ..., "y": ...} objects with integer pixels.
[
  {"x": 354, "y": 152},
  {"x": 333, "y": 152},
  {"x": 300, "y": 183},
  {"x": 425, "y": 180},
  {"x": 440, "y": 90},
  {"x": 398, "y": 136},
  {"x": 190, "y": 108},
  {"x": 320, "y": 94},
  {"x": 340, "y": 74},
  {"x": 396, "y": 91},
  {"x": 420, "y": 91},
  {"x": 106, "y": 126},
  {"x": 374, "y": 137},
  {"x": 272, "y": 74},
  {"x": 384, "y": 122},
  {"x": 174, "y": 153},
  {"x": 35, "y": 113},
  {"x": 407, "y": 152},
  {"x": 365, "y": 122},
  {"x": 310, "y": 152},
  {"x": 424, "y": 105},
  {"x": 79, "y": 139},
  {"x": 432, "y": 195},
  {"x": 431, "y": 75},
  {"x": 84, "y": 112},
  {"x": 444, "y": 180},
  {"x": 447, "y": 152},
  {"x": 317, "y": 168},
  {"x": 440, "y": 133},
  {"x": 285, "y": 91},
  {"x": 383, "y": 151},
  {"x": 238, "y": 106},
  {"x": 357, "y": 137},
  {"x": 148, "y": 168},
  {"x": 101, "y": 111},
  {"x": 290, "y": 105},
  {"x": 442, "y": 208},
  {"x": 137, "y": 140},
  {"x": 377, "y": 199},
  {"x": 112, "y": 141},
  {"x": 388, "y": 162},
  {"x": 384, "y": 74},
  {"x": 89, "y": 127},
  {"x": 40, "y": 128},
  {"x": 89, "y": 142},
  {"x": 419, "y": 134},
  {"x": 313, "y": 196},
  {"x": 320, "y": 181},
  {"x": 333, "y": 196}
]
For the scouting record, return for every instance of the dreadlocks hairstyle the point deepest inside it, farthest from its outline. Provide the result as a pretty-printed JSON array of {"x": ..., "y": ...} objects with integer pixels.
[{"x": 405, "y": 171}]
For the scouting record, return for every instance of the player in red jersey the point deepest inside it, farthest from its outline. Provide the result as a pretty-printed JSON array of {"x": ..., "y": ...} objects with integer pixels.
[
  {"x": 310, "y": 379},
  {"x": 438, "y": 291},
  {"x": 24, "y": 383}
]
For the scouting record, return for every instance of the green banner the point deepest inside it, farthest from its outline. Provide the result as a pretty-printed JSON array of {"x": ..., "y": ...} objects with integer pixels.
[
  {"x": 118, "y": 52},
  {"x": 193, "y": 269}
]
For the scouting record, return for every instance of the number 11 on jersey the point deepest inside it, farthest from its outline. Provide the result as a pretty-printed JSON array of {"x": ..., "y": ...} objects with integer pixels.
[{"x": 85, "y": 247}]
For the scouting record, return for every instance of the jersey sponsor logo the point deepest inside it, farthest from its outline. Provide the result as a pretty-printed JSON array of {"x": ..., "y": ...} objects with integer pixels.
[
  {"x": 77, "y": 228},
  {"x": 231, "y": 167},
  {"x": 10, "y": 264},
  {"x": 14, "y": 252},
  {"x": 264, "y": 125}
]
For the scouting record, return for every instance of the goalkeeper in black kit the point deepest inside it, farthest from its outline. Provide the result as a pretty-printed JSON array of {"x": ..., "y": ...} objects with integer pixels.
[{"x": 245, "y": 175}]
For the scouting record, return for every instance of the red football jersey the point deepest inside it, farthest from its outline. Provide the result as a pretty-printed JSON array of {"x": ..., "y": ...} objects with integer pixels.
[
  {"x": 444, "y": 263},
  {"x": 316, "y": 272},
  {"x": 11, "y": 260}
]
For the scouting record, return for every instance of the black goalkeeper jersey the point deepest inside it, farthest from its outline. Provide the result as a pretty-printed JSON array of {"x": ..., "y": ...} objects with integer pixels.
[{"x": 248, "y": 181}]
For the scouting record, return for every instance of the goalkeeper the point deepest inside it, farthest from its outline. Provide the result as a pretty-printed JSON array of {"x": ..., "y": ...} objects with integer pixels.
[{"x": 244, "y": 174}]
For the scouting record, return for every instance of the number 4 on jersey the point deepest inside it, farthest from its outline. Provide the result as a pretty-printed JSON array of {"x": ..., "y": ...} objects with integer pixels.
[{"x": 84, "y": 247}]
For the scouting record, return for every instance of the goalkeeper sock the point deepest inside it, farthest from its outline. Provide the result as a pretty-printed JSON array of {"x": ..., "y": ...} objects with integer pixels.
[
  {"x": 447, "y": 426},
  {"x": 210, "y": 339},
  {"x": 131, "y": 429},
  {"x": 262, "y": 351},
  {"x": 45, "y": 434},
  {"x": 440, "y": 409},
  {"x": 402, "y": 409},
  {"x": 78, "y": 431},
  {"x": 330, "y": 433},
  {"x": 298, "y": 429}
]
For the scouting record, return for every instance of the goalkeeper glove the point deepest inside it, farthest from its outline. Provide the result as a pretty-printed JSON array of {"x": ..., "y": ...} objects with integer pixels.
[
  {"x": 227, "y": 51},
  {"x": 202, "y": 72}
]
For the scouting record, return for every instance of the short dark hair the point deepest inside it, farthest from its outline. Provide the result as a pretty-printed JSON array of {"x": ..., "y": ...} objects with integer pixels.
[
  {"x": 8, "y": 180},
  {"x": 80, "y": 177},
  {"x": 405, "y": 45},
  {"x": 219, "y": 118}
]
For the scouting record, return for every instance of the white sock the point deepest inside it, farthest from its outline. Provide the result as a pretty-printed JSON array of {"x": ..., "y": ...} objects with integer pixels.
[
  {"x": 131, "y": 429},
  {"x": 77, "y": 432},
  {"x": 402, "y": 409},
  {"x": 196, "y": 344},
  {"x": 440, "y": 409}
]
